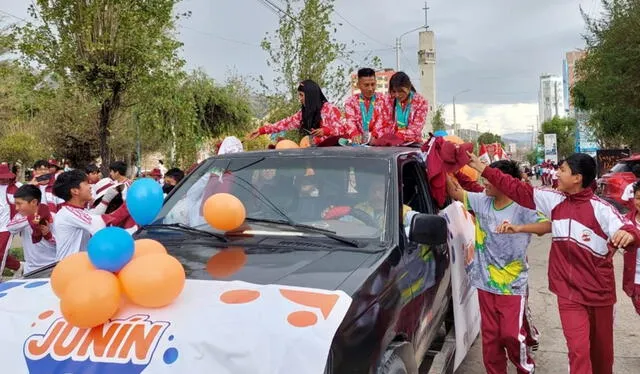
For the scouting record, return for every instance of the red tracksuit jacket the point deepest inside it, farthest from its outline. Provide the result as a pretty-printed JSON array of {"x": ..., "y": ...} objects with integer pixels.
[
  {"x": 631, "y": 273},
  {"x": 580, "y": 262}
]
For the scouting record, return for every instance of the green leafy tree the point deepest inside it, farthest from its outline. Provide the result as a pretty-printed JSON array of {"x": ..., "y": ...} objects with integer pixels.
[
  {"x": 608, "y": 75},
  {"x": 305, "y": 47},
  {"x": 565, "y": 130},
  {"x": 488, "y": 138},
  {"x": 438, "y": 121},
  {"x": 103, "y": 48}
]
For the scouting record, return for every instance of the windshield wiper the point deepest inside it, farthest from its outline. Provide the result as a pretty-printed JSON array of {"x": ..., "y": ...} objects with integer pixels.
[
  {"x": 184, "y": 228},
  {"x": 308, "y": 229}
]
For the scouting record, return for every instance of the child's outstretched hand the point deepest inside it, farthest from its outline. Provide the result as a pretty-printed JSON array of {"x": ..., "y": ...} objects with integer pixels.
[
  {"x": 621, "y": 239},
  {"x": 507, "y": 228},
  {"x": 476, "y": 163}
]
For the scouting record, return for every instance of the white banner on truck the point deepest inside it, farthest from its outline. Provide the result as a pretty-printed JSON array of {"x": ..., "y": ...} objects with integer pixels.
[
  {"x": 466, "y": 311},
  {"x": 551, "y": 148},
  {"x": 213, "y": 327}
]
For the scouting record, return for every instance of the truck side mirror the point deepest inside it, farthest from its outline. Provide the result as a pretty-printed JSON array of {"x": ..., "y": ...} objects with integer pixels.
[{"x": 428, "y": 229}]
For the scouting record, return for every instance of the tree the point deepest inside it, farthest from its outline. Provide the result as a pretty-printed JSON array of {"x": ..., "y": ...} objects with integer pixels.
[
  {"x": 489, "y": 138},
  {"x": 104, "y": 49},
  {"x": 438, "y": 119},
  {"x": 565, "y": 130},
  {"x": 609, "y": 74},
  {"x": 305, "y": 47}
]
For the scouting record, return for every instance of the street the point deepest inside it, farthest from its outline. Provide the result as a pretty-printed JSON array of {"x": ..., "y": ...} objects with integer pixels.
[{"x": 552, "y": 355}]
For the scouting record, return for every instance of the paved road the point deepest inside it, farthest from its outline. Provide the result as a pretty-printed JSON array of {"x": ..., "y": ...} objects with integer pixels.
[{"x": 552, "y": 356}]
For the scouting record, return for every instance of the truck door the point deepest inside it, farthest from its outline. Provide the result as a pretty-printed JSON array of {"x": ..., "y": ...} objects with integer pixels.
[{"x": 426, "y": 266}]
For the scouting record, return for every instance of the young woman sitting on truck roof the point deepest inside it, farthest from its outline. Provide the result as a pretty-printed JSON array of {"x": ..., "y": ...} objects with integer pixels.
[{"x": 317, "y": 118}]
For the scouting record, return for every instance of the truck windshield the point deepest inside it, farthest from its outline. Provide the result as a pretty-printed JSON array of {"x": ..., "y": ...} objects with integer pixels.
[{"x": 348, "y": 196}]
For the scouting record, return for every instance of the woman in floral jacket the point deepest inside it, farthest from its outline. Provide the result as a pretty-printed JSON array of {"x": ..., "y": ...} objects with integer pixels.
[
  {"x": 317, "y": 118},
  {"x": 406, "y": 111}
]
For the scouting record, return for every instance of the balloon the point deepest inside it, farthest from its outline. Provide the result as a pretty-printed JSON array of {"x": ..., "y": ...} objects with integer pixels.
[
  {"x": 287, "y": 144},
  {"x": 91, "y": 299},
  {"x": 440, "y": 133},
  {"x": 68, "y": 269},
  {"x": 305, "y": 142},
  {"x": 152, "y": 281},
  {"x": 110, "y": 249},
  {"x": 450, "y": 138},
  {"x": 144, "y": 247},
  {"x": 144, "y": 200},
  {"x": 226, "y": 262},
  {"x": 224, "y": 211},
  {"x": 470, "y": 172}
]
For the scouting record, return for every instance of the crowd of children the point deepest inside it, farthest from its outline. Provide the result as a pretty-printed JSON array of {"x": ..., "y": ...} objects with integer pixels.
[
  {"x": 57, "y": 211},
  {"x": 586, "y": 233}
]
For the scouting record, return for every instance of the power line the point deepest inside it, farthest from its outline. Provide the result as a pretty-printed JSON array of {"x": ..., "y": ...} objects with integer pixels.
[
  {"x": 13, "y": 15},
  {"x": 360, "y": 30},
  {"x": 222, "y": 37}
]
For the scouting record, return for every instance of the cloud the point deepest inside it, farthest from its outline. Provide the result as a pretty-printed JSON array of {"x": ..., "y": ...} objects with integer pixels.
[{"x": 498, "y": 118}]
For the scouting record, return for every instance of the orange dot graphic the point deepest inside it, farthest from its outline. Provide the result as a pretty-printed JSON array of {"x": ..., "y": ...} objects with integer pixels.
[
  {"x": 226, "y": 263},
  {"x": 302, "y": 318},
  {"x": 45, "y": 315},
  {"x": 321, "y": 301},
  {"x": 239, "y": 296}
]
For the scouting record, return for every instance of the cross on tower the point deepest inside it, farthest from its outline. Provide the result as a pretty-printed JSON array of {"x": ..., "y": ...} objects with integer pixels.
[{"x": 426, "y": 19}]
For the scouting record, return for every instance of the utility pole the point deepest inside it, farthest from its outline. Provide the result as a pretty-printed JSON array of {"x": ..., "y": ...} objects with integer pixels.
[
  {"x": 399, "y": 39},
  {"x": 455, "y": 126},
  {"x": 555, "y": 97},
  {"x": 477, "y": 138}
]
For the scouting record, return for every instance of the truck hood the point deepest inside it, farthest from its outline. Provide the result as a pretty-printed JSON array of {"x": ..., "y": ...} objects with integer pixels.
[{"x": 290, "y": 263}]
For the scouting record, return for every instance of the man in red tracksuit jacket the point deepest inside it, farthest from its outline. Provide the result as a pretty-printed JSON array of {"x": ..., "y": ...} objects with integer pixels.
[{"x": 586, "y": 231}]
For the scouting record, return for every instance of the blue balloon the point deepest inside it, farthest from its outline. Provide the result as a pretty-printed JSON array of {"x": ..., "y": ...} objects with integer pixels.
[
  {"x": 110, "y": 249},
  {"x": 144, "y": 200},
  {"x": 440, "y": 133}
]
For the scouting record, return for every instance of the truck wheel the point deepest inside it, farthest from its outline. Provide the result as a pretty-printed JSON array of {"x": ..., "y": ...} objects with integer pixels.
[{"x": 392, "y": 364}]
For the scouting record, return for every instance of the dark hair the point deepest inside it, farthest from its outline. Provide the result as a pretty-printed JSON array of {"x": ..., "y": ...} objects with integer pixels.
[
  {"x": 507, "y": 167},
  {"x": 400, "y": 80},
  {"x": 161, "y": 162},
  {"x": 314, "y": 99},
  {"x": 28, "y": 193},
  {"x": 119, "y": 166},
  {"x": 366, "y": 72},
  {"x": 636, "y": 187},
  {"x": 67, "y": 181},
  {"x": 636, "y": 170},
  {"x": 40, "y": 163},
  {"x": 582, "y": 164},
  {"x": 92, "y": 169},
  {"x": 175, "y": 173}
]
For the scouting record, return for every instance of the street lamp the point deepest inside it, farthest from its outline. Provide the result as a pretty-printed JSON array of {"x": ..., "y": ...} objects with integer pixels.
[
  {"x": 399, "y": 44},
  {"x": 456, "y": 130}
]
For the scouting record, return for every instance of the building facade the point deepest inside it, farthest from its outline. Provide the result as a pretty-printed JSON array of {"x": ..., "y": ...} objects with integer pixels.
[
  {"x": 551, "y": 98},
  {"x": 570, "y": 77}
]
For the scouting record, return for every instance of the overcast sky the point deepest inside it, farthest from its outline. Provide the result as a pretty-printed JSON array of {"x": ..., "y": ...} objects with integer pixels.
[{"x": 495, "y": 48}]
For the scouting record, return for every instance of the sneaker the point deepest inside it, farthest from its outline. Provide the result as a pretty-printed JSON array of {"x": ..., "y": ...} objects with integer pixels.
[{"x": 18, "y": 273}]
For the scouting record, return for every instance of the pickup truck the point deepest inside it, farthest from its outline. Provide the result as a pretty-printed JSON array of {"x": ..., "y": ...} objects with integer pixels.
[{"x": 396, "y": 271}]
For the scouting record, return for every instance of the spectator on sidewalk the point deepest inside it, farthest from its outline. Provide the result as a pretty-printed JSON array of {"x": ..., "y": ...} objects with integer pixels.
[
  {"x": 8, "y": 188},
  {"x": 171, "y": 178},
  {"x": 34, "y": 223},
  {"x": 75, "y": 223}
]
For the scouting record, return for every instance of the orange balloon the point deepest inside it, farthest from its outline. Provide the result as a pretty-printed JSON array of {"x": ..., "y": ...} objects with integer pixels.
[
  {"x": 68, "y": 269},
  {"x": 224, "y": 211},
  {"x": 226, "y": 262},
  {"x": 470, "y": 172},
  {"x": 152, "y": 281},
  {"x": 146, "y": 247},
  {"x": 305, "y": 142},
  {"x": 454, "y": 139},
  {"x": 91, "y": 299},
  {"x": 287, "y": 144}
]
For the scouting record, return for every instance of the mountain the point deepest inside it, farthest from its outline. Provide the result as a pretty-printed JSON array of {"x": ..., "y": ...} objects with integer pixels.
[{"x": 523, "y": 138}]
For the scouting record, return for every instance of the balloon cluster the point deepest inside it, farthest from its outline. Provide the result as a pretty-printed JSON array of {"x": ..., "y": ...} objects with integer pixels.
[{"x": 93, "y": 285}]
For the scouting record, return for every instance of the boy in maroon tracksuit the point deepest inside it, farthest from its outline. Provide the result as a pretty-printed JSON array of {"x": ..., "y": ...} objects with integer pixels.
[{"x": 586, "y": 231}]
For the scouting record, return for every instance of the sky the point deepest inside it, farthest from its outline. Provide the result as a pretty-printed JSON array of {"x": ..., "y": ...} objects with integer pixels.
[{"x": 496, "y": 49}]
